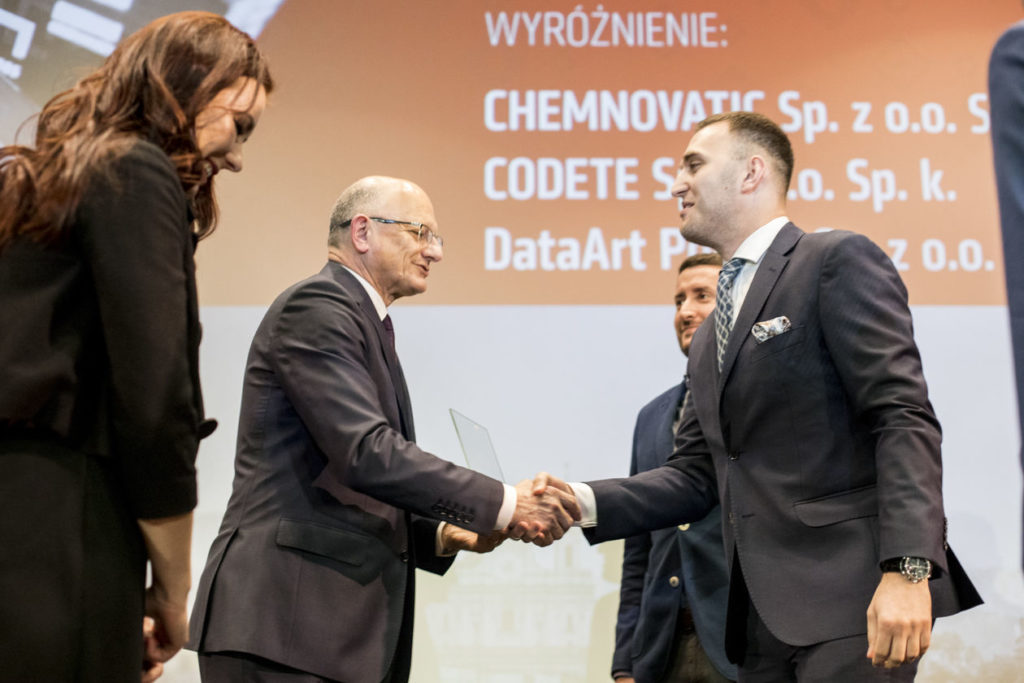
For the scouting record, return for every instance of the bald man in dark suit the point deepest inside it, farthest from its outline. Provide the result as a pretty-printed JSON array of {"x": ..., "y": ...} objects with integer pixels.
[{"x": 311, "y": 577}]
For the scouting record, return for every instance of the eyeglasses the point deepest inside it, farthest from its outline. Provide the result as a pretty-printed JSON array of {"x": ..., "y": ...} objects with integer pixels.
[{"x": 424, "y": 234}]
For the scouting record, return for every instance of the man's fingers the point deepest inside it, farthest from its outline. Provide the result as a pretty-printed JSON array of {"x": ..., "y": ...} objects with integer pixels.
[
  {"x": 872, "y": 632},
  {"x": 562, "y": 518},
  {"x": 571, "y": 505},
  {"x": 898, "y": 650},
  {"x": 556, "y": 531},
  {"x": 882, "y": 647},
  {"x": 913, "y": 650}
]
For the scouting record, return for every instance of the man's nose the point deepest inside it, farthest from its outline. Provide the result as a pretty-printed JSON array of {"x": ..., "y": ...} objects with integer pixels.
[
  {"x": 680, "y": 185},
  {"x": 434, "y": 251}
]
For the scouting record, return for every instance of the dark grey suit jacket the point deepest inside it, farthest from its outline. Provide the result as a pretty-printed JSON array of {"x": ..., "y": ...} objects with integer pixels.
[
  {"x": 820, "y": 443},
  {"x": 313, "y": 565},
  {"x": 667, "y": 569}
]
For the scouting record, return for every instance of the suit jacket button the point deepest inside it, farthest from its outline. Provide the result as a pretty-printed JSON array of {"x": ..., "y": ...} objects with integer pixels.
[
  {"x": 674, "y": 582},
  {"x": 734, "y": 455},
  {"x": 684, "y": 527},
  {"x": 404, "y": 556}
]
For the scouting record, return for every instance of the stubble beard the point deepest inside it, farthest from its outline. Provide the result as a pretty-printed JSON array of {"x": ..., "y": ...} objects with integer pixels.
[{"x": 699, "y": 232}]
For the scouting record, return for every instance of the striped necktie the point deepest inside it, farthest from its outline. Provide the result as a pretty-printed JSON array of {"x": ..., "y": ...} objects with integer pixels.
[{"x": 723, "y": 304}]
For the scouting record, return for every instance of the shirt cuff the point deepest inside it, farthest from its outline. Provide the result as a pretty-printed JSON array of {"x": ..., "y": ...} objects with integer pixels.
[
  {"x": 588, "y": 505},
  {"x": 439, "y": 544},
  {"x": 507, "y": 509}
]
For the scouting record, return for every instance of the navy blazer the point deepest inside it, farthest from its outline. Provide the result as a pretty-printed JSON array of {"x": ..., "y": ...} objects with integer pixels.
[
  {"x": 820, "y": 443},
  {"x": 313, "y": 565},
  {"x": 667, "y": 569}
]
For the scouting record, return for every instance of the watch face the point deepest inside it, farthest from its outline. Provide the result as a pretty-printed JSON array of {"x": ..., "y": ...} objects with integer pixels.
[{"x": 915, "y": 568}]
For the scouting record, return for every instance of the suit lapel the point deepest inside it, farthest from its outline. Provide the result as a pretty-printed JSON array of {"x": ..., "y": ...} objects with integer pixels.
[
  {"x": 768, "y": 272},
  {"x": 401, "y": 390},
  {"x": 395, "y": 370},
  {"x": 665, "y": 440},
  {"x": 345, "y": 279}
]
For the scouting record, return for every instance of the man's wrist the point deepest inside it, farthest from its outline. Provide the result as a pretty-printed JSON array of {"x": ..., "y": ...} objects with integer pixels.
[
  {"x": 507, "y": 509},
  {"x": 913, "y": 569},
  {"x": 588, "y": 504}
]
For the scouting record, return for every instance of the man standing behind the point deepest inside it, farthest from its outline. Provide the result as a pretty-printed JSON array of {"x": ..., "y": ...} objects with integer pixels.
[
  {"x": 311, "y": 576},
  {"x": 671, "y": 625}
]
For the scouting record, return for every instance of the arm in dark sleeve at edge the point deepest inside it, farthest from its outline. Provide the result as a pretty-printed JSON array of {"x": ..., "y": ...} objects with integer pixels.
[
  {"x": 136, "y": 235},
  {"x": 682, "y": 490},
  {"x": 867, "y": 325},
  {"x": 347, "y": 421}
]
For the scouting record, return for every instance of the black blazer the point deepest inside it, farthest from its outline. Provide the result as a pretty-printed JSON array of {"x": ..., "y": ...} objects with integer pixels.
[
  {"x": 312, "y": 567},
  {"x": 820, "y": 443},
  {"x": 100, "y": 342}
]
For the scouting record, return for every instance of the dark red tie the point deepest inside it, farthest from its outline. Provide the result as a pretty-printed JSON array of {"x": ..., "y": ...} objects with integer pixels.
[{"x": 390, "y": 329}]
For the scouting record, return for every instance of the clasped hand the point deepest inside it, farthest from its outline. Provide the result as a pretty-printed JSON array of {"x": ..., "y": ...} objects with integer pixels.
[{"x": 546, "y": 508}]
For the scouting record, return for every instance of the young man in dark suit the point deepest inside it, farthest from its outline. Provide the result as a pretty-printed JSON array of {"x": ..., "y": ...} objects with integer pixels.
[
  {"x": 334, "y": 505},
  {"x": 809, "y": 421}
]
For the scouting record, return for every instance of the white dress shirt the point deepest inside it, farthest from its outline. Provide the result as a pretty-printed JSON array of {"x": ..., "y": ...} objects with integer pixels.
[
  {"x": 508, "y": 502},
  {"x": 752, "y": 250}
]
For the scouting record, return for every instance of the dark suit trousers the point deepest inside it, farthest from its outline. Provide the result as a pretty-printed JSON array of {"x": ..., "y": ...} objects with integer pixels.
[{"x": 766, "y": 659}]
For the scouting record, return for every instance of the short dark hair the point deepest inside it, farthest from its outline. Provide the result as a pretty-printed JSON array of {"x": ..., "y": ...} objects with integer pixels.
[
  {"x": 711, "y": 258},
  {"x": 759, "y": 130}
]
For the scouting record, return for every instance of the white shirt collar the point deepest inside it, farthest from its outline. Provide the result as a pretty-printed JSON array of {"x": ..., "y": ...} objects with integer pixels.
[
  {"x": 375, "y": 297},
  {"x": 754, "y": 247}
]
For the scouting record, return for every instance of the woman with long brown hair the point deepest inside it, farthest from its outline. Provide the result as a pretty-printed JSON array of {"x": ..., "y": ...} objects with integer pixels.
[{"x": 100, "y": 407}]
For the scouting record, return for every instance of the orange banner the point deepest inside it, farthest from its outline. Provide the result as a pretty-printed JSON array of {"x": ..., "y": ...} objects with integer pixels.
[{"x": 548, "y": 134}]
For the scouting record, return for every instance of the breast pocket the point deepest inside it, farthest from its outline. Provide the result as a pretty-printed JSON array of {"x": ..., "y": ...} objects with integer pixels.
[{"x": 777, "y": 344}]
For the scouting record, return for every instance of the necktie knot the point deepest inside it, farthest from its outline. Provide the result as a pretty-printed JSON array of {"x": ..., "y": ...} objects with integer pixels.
[
  {"x": 724, "y": 305},
  {"x": 730, "y": 269}
]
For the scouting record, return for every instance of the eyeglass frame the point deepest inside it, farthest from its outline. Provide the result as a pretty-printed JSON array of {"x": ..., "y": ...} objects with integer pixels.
[{"x": 420, "y": 227}]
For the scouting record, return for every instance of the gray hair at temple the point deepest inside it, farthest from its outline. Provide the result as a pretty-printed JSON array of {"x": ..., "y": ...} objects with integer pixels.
[{"x": 353, "y": 199}]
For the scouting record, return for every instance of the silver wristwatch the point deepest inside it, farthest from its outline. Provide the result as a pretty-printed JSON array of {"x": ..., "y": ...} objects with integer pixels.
[{"x": 913, "y": 569}]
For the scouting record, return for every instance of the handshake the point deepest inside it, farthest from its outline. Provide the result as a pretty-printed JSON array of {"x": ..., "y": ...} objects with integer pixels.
[{"x": 546, "y": 508}]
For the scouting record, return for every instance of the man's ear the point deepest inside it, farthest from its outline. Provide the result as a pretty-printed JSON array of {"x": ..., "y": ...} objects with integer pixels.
[
  {"x": 359, "y": 233},
  {"x": 755, "y": 173}
]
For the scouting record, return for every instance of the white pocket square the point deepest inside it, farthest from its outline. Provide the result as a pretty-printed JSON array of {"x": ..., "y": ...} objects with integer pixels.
[{"x": 766, "y": 329}]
